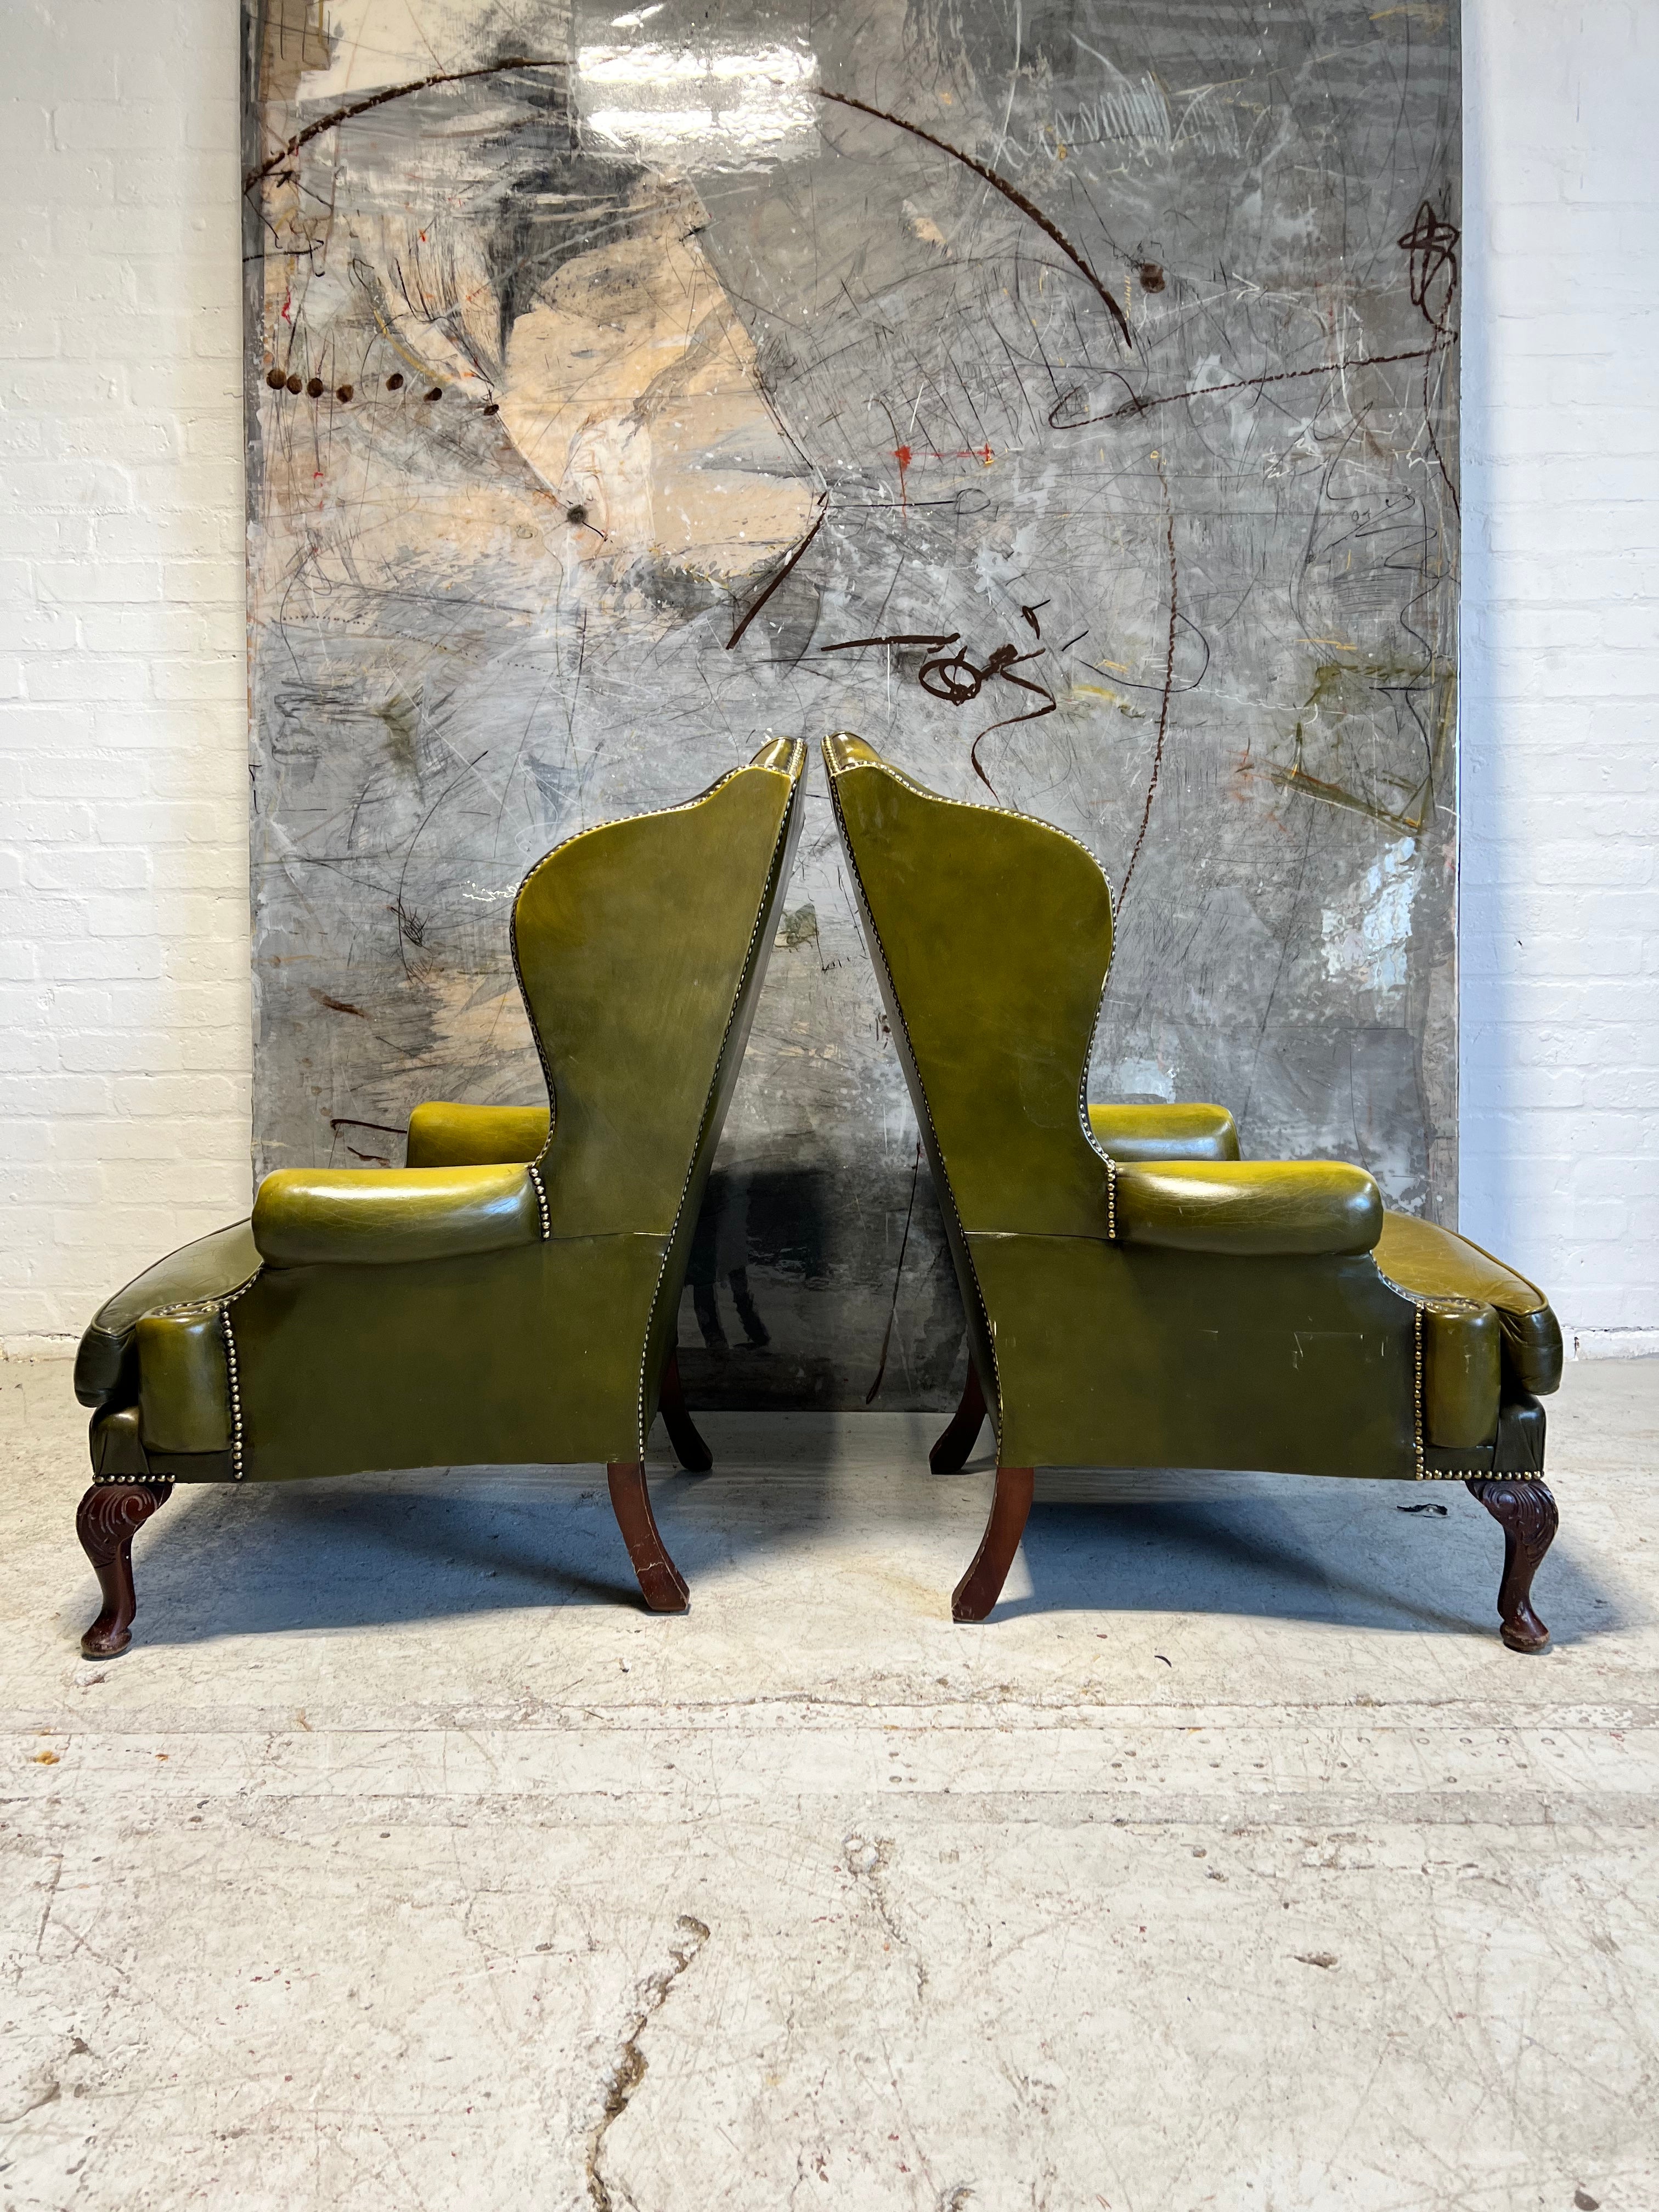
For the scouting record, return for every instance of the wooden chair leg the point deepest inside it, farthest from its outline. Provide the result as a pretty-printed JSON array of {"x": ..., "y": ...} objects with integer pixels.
[
  {"x": 110, "y": 1516},
  {"x": 981, "y": 1587},
  {"x": 662, "y": 1585},
  {"x": 692, "y": 1453},
  {"x": 950, "y": 1454},
  {"x": 1526, "y": 1513}
]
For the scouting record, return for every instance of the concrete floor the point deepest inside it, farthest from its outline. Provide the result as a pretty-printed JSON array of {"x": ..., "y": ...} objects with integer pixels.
[{"x": 404, "y": 1862}]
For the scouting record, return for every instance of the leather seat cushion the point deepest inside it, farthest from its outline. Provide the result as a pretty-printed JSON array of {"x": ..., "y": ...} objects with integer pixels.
[
  {"x": 1434, "y": 1263},
  {"x": 211, "y": 1267}
]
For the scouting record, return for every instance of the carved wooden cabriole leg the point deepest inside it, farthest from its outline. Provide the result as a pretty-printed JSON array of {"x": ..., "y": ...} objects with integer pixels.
[
  {"x": 950, "y": 1454},
  {"x": 692, "y": 1453},
  {"x": 661, "y": 1583},
  {"x": 981, "y": 1587},
  {"x": 1526, "y": 1513},
  {"x": 110, "y": 1516}
]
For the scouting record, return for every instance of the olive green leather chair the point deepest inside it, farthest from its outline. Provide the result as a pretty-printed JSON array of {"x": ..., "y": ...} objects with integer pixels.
[
  {"x": 1136, "y": 1295},
  {"x": 512, "y": 1294}
]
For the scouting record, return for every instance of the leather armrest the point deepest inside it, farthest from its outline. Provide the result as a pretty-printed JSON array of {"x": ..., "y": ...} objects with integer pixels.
[
  {"x": 1132, "y": 1134},
  {"x": 1252, "y": 1208},
  {"x": 444, "y": 1135},
  {"x": 381, "y": 1216}
]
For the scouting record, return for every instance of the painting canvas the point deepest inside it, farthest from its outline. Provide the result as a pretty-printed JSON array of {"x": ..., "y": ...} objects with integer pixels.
[{"x": 1060, "y": 394}]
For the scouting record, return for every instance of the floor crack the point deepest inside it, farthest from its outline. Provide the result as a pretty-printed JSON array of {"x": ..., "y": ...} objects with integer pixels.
[
  {"x": 866, "y": 1860},
  {"x": 629, "y": 2069}
]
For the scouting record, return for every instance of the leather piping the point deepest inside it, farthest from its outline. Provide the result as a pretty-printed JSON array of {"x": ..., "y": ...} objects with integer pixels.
[
  {"x": 995, "y": 1408},
  {"x": 797, "y": 783}
]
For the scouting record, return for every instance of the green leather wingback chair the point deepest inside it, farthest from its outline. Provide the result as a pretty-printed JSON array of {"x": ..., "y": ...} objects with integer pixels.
[
  {"x": 512, "y": 1294},
  {"x": 1136, "y": 1295}
]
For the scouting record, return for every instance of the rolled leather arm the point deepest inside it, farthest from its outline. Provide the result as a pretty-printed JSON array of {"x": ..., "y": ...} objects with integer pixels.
[
  {"x": 1132, "y": 1134},
  {"x": 1251, "y": 1208},
  {"x": 444, "y": 1135},
  {"x": 304, "y": 1217}
]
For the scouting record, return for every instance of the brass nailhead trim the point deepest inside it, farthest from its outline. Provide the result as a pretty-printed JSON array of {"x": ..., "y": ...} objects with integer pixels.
[
  {"x": 1111, "y": 1198},
  {"x": 1417, "y": 1400},
  {"x": 233, "y": 1379},
  {"x": 235, "y": 1395},
  {"x": 534, "y": 1172}
]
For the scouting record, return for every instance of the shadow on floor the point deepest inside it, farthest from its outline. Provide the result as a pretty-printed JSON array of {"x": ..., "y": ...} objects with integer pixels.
[
  {"x": 381, "y": 1550},
  {"x": 1355, "y": 1560}
]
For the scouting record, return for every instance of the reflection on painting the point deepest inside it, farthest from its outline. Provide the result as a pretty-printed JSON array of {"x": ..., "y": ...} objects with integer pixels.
[{"x": 1064, "y": 399}]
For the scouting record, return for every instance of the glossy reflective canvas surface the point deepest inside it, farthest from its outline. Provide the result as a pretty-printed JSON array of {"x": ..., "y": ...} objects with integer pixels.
[{"x": 1062, "y": 397}]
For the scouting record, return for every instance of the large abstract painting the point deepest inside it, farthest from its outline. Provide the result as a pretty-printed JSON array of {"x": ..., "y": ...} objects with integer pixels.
[{"x": 1059, "y": 393}]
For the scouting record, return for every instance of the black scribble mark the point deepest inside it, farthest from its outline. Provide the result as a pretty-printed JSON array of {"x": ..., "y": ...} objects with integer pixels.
[
  {"x": 1031, "y": 614},
  {"x": 756, "y": 605},
  {"x": 370, "y": 1159},
  {"x": 412, "y": 925},
  {"x": 899, "y": 1277},
  {"x": 998, "y": 183},
  {"x": 1432, "y": 245},
  {"x": 338, "y": 1121},
  {"x": 396, "y": 906},
  {"x": 1071, "y": 641},
  {"x": 1139, "y": 403},
  {"x": 958, "y": 678},
  {"x": 998, "y": 666},
  {"x": 1168, "y": 1663},
  {"x": 630, "y": 2067},
  {"x": 355, "y": 107},
  {"x": 336, "y": 1005},
  {"x": 1169, "y": 687},
  {"x": 1427, "y": 1506},
  {"x": 916, "y": 637}
]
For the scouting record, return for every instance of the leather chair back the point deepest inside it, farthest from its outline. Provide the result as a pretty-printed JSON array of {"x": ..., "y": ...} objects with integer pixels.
[
  {"x": 635, "y": 946},
  {"x": 992, "y": 936}
]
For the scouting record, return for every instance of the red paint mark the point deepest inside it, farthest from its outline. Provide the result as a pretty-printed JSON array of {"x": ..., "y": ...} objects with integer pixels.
[
  {"x": 288, "y": 304},
  {"x": 905, "y": 455}
]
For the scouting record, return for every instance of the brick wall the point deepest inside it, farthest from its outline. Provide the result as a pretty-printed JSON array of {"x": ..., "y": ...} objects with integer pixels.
[
  {"x": 124, "y": 982},
  {"x": 124, "y": 972},
  {"x": 1560, "y": 769}
]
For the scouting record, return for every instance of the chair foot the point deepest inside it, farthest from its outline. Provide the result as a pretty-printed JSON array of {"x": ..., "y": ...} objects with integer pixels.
[
  {"x": 109, "y": 1517},
  {"x": 950, "y": 1454},
  {"x": 981, "y": 1587},
  {"x": 692, "y": 1453},
  {"x": 662, "y": 1585},
  {"x": 1526, "y": 1513}
]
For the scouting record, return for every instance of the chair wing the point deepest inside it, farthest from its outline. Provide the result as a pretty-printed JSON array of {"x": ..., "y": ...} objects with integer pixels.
[
  {"x": 992, "y": 933},
  {"x": 635, "y": 946}
]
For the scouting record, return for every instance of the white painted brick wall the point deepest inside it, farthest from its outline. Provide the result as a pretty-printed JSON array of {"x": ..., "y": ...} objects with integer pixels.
[
  {"x": 124, "y": 986},
  {"x": 124, "y": 972},
  {"x": 1560, "y": 884}
]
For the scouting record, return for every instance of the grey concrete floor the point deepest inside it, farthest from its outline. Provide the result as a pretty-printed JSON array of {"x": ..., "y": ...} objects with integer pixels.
[{"x": 404, "y": 1862}]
